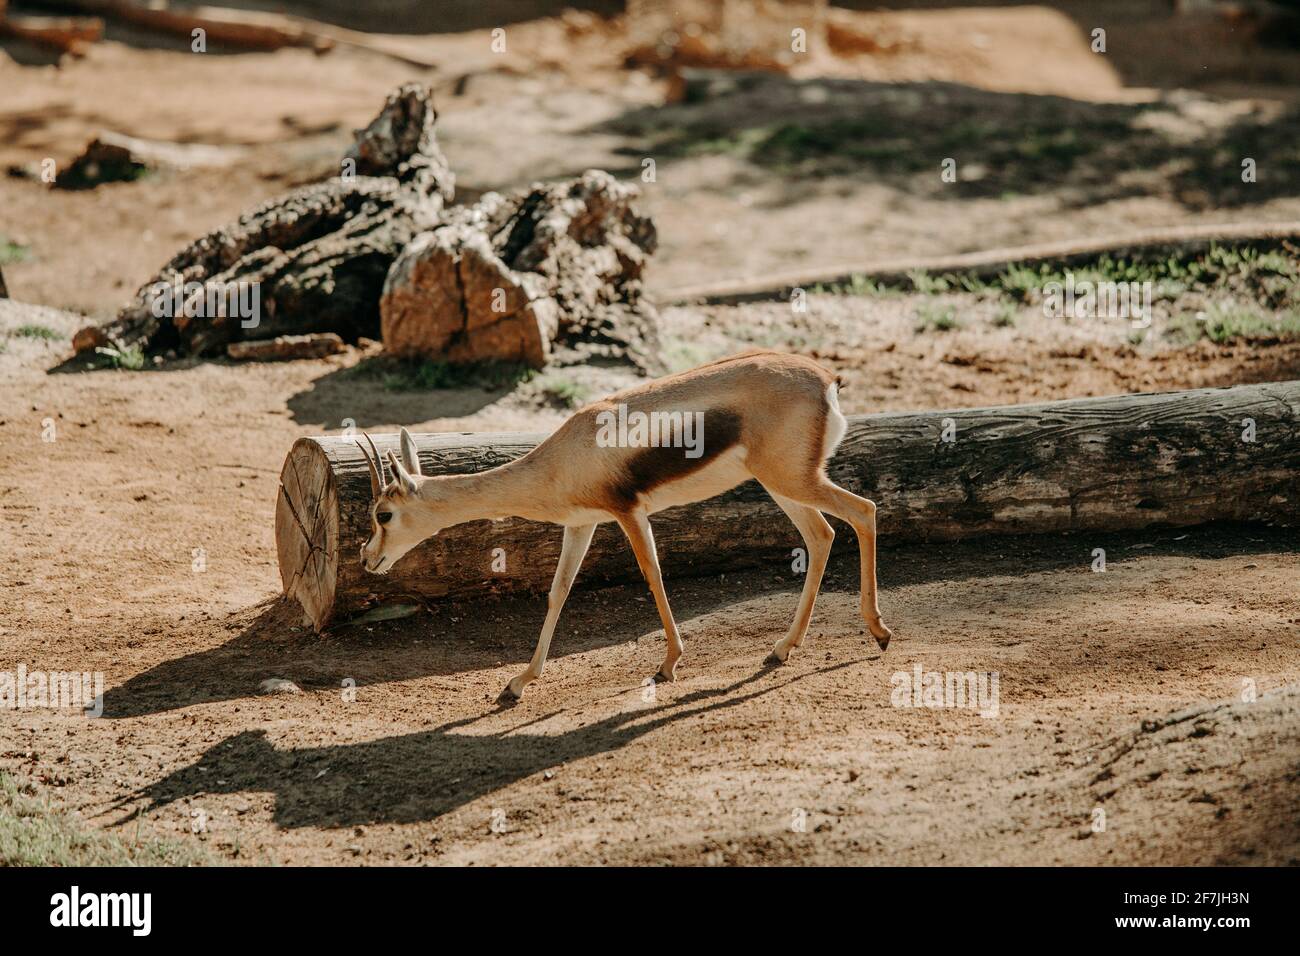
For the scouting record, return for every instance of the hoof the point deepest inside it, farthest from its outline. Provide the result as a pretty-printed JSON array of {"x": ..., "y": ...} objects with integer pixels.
[
  {"x": 774, "y": 660},
  {"x": 507, "y": 697},
  {"x": 662, "y": 678},
  {"x": 882, "y": 639}
]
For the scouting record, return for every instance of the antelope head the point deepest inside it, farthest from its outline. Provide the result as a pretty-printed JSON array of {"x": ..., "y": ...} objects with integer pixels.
[{"x": 399, "y": 520}]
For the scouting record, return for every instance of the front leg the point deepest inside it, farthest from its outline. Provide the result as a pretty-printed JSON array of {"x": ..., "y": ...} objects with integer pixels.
[
  {"x": 576, "y": 542},
  {"x": 637, "y": 528}
]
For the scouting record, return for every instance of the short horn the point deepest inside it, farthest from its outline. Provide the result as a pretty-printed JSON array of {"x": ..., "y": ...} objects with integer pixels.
[{"x": 376, "y": 465}]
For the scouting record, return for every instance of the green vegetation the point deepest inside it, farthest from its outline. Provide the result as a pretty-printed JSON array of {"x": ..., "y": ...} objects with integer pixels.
[
  {"x": 563, "y": 391},
  {"x": 11, "y": 251},
  {"x": 1223, "y": 324},
  {"x": 129, "y": 357},
  {"x": 933, "y": 316},
  {"x": 37, "y": 332},
  {"x": 1268, "y": 276},
  {"x": 34, "y": 833},
  {"x": 1005, "y": 316},
  {"x": 422, "y": 375}
]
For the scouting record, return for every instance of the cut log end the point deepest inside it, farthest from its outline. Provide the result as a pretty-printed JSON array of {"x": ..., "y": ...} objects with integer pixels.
[{"x": 307, "y": 531}]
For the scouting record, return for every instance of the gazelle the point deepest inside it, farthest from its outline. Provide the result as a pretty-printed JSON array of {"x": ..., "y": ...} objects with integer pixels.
[{"x": 762, "y": 414}]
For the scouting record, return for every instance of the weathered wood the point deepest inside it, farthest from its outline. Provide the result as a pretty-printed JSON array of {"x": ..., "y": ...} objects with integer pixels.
[
  {"x": 313, "y": 260},
  {"x": 1130, "y": 461},
  {"x": 286, "y": 348},
  {"x": 71, "y": 35},
  {"x": 554, "y": 270},
  {"x": 250, "y": 29}
]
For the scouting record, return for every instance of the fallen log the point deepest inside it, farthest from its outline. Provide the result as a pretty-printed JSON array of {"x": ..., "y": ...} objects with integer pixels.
[
  {"x": 71, "y": 35},
  {"x": 250, "y": 29},
  {"x": 1097, "y": 464}
]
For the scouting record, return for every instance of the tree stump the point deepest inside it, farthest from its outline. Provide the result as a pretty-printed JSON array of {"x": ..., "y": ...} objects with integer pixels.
[{"x": 1099, "y": 464}]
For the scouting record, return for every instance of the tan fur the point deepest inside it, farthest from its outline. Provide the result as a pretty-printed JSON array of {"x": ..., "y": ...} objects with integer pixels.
[{"x": 766, "y": 415}]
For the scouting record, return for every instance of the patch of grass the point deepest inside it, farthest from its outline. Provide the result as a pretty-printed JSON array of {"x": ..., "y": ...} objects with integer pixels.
[
  {"x": 423, "y": 375},
  {"x": 927, "y": 284},
  {"x": 856, "y": 285},
  {"x": 1005, "y": 316},
  {"x": 11, "y": 251},
  {"x": 37, "y": 332},
  {"x": 34, "y": 833},
  {"x": 1223, "y": 324},
  {"x": 130, "y": 357},
  {"x": 935, "y": 317},
  {"x": 679, "y": 355},
  {"x": 563, "y": 391}
]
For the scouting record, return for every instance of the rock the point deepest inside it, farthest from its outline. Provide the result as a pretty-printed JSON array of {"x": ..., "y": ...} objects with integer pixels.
[
  {"x": 278, "y": 685},
  {"x": 111, "y": 157}
]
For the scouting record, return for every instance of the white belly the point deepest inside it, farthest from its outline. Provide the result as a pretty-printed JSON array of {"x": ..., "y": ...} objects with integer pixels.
[{"x": 722, "y": 474}]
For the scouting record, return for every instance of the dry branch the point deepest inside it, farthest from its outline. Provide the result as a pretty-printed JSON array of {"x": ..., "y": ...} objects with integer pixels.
[
  {"x": 1102, "y": 464},
  {"x": 70, "y": 35},
  {"x": 285, "y": 348},
  {"x": 245, "y": 28}
]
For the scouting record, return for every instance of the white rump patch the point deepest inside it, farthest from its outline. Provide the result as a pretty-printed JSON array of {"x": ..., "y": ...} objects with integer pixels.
[{"x": 836, "y": 423}]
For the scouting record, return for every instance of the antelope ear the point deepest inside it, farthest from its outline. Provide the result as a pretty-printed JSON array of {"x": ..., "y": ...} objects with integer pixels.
[
  {"x": 409, "y": 457},
  {"x": 400, "y": 474}
]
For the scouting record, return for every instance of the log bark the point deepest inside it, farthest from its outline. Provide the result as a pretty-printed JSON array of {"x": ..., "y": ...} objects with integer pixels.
[
  {"x": 1102, "y": 464},
  {"x": 286, "y": 348},
  {"x": 250, "y": 29},
  {"x": 313, "y": 261},
  {"x": 71, "y": 35}
]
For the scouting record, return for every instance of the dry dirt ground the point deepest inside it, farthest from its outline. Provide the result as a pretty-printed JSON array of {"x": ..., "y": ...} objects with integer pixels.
[{"x": 138, "y": 541}]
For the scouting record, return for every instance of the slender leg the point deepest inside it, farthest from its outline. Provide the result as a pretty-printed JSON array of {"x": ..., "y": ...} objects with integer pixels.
[
  {"x": 576, "y": 542},
  {"x": 861, "y": 514},
  {"x": 637, "y": 528},
  {"x": 818, "y": 535}
]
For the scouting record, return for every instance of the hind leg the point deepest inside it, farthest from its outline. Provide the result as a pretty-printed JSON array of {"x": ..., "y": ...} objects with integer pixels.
[
  {"x": 818, "y": 536},
  {"x": 861, "y": 514}
]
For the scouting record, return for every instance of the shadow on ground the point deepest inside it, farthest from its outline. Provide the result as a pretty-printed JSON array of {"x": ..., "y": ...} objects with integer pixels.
[
  {"x": 823, "y": 133},
  {"x": 461, "y": 637}
]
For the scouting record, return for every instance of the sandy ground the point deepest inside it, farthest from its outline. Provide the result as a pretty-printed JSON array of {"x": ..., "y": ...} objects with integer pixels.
[
  {"x": 140, "y": 545},
  {"x": 107, "y": 520}
]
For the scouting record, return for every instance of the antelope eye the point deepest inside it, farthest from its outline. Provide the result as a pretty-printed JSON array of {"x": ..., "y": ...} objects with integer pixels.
[{"x": 383, "y": 517}]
